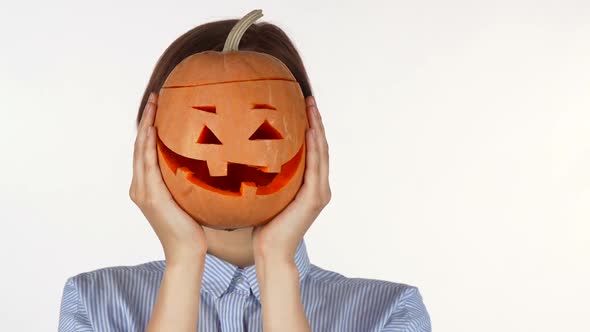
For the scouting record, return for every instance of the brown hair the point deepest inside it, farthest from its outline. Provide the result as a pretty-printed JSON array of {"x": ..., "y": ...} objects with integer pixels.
[{"x": 261, "y": 37}]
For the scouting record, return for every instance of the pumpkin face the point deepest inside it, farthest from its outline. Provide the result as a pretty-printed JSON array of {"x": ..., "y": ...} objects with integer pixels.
[{"x": 231, "y": 137}]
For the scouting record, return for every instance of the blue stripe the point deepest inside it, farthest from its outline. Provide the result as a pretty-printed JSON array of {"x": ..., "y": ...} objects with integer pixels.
[{"x": 121, "y": 298}]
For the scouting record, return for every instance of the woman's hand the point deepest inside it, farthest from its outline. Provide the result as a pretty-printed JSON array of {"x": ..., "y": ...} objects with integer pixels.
[
  {"x": 182, "y": 238},
  {"x": 275, "y": 243},
  {"x": 279, "y": 238}
]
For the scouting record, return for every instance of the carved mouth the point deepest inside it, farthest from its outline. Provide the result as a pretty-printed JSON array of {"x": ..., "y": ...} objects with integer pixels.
[{"x": 238, "y": 175}]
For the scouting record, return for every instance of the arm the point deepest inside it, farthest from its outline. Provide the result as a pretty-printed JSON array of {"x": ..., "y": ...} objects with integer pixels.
[
  {"x": 282, "y": 309},
  {"x": 275, "y": 243},
  {"x": 177, "y": 303},
  {"x": 411, "y": 316},
  {"x": 182, "y": 238}
]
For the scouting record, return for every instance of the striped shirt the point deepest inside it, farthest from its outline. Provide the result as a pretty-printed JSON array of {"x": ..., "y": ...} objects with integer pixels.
[{"x": 121, "y": 298}]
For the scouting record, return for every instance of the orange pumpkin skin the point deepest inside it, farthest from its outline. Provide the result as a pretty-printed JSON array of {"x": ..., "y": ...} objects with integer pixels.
[{"x": 226, "y": 122}]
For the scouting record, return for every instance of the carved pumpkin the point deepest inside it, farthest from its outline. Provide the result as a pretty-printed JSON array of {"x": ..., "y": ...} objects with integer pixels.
[{"x": 231, "y": 134}]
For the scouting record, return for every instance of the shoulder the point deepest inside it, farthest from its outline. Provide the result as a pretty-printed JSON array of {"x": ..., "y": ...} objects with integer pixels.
[
  {"x": 147, "y": 267},
  {"x": 394, "y": 306},
  {"x": 113, "y": 277},
  {"x": 89, "y": 296},
  {"x": 122, "y": 278},
  {"x": 330, "y": 281}
]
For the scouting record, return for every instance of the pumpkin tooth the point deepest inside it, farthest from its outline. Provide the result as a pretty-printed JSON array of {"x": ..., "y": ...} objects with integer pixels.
[
  {"x": 248, "y": 189},
  {"x": 217, "y": 167},
  {"x": 274, "y": 167}
]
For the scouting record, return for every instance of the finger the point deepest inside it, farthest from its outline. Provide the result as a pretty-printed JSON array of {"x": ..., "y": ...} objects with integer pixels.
[
  {"x": 313, "y": 120},
  {"x": 312, "y": 155},
  {"x": 311, "y": 174},
  {"x": 304, "y": 204},
  {"x": 317, "y": 123},
  {"x": 138, "y": 160},
  {"x": 141, "y": 128},
  {"x": 313, "y": 109},
  {"x": 322, "y": 143},
  {"x": 153, "y": 175},
  {"x": 145, "y": 117},
  {"x": 304, "y": 207}
]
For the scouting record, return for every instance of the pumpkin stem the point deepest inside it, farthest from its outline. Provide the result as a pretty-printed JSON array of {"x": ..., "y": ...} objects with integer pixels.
[{"x": 236, "y": 33}]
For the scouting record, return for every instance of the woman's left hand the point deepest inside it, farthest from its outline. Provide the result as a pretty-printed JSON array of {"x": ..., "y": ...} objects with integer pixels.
[{"x": 280, "y": 237}]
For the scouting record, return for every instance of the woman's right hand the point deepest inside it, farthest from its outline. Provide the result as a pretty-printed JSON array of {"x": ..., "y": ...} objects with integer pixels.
[{"x": 181, "y": 236}]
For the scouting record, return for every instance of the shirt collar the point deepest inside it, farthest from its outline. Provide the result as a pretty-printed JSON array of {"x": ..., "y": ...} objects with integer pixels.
[{"x": 219, "y": 274}]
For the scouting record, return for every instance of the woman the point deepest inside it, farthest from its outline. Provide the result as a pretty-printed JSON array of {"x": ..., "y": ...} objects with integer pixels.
[{"x": 246, "y": 279}]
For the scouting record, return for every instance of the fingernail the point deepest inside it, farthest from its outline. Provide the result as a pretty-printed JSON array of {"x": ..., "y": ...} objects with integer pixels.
[
  {"x": 148, "y": 108},
  {"x": 151, "y": 97},
  {"x": 316, "y": 111}
]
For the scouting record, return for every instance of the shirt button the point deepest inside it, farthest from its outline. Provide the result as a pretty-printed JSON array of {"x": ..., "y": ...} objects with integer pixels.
[{"x": 239, "y": 280}]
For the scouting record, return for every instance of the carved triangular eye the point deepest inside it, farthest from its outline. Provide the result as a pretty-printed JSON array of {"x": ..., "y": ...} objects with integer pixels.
[
  {"x": 207, "y": 137},
  {"x": 266, "y": 131},
  {"x": 208, "y": 109}
]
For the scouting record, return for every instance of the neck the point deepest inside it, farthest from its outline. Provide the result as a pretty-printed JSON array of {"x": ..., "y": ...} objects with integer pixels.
[{"x": 232, "y": 246}]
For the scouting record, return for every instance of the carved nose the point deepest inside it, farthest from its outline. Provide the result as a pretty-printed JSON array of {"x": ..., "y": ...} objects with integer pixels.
[
  {"x": 266, "y": 131},
  {"x": 207, "y": 137}
]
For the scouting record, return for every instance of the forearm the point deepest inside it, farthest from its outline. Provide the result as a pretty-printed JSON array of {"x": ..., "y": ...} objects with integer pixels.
[
  {"x": 177, "y": 303},
  {"x": 282, "y": 309}
]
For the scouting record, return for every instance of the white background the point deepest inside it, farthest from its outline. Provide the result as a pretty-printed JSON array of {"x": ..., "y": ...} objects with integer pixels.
[{"x": 459, "y": 135}]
